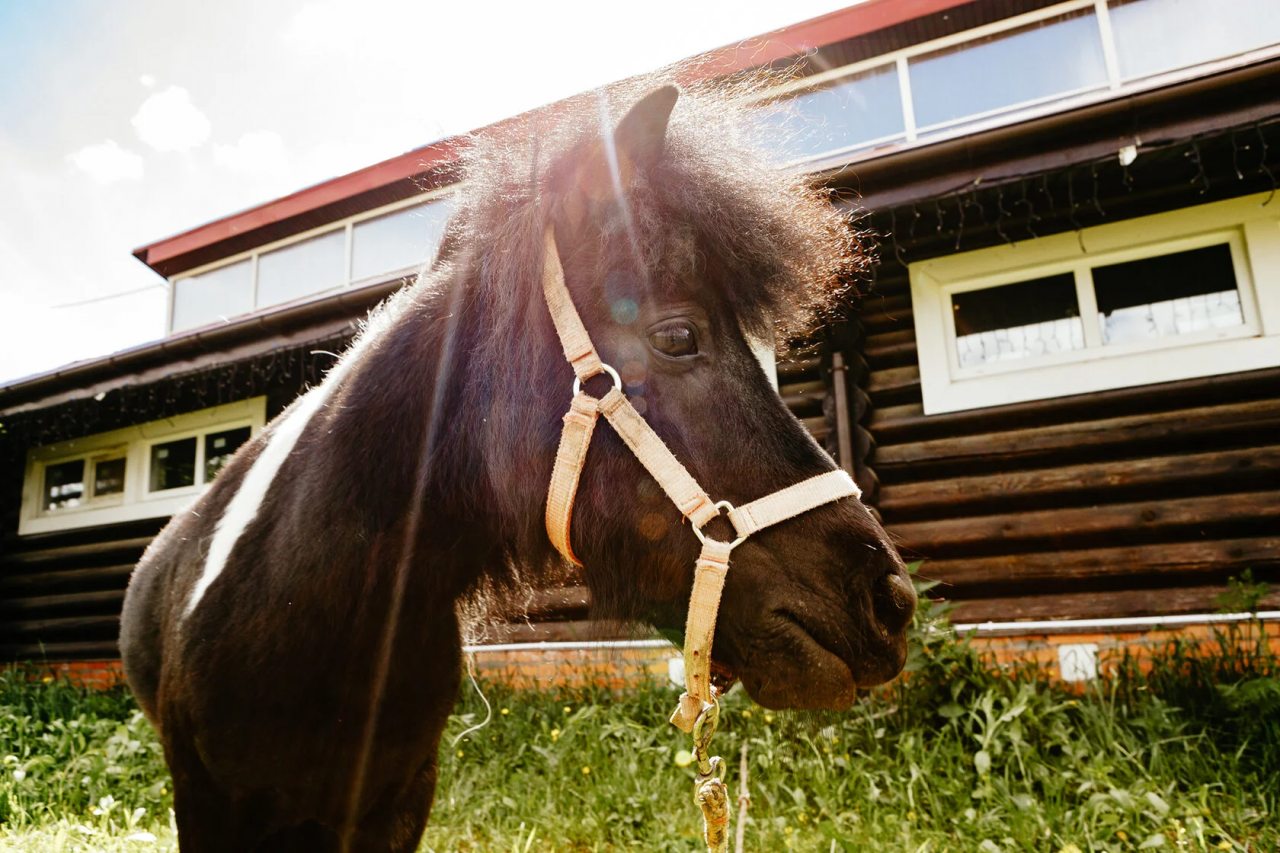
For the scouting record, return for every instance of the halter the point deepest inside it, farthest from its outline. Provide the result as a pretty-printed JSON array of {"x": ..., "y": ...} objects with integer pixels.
[{"x": 697, "y": 711}]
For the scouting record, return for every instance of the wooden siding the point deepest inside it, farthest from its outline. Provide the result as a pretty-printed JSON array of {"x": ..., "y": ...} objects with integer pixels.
[
  {"x": 1120, "y": 503},
  {"x": 60, "y": 594}
]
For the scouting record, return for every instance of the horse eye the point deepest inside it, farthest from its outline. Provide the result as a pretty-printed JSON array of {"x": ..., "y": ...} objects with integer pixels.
[{"x": 674, "y": 339}]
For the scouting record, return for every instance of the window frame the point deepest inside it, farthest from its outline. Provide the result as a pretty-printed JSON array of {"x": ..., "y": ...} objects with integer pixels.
[
  {"x": 1115, "y": 85},
  {"x": 137, "y": 501},
  {"x": 1252, "y": 234},
  {"x": 346, "y": 226}
]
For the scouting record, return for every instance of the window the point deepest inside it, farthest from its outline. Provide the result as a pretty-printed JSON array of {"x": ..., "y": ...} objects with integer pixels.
[
  {"x": 1062, "y": 55},
  {"x": 1195, "y": 292},
  {"x": 215, "y": 295},
  {"x": 300, "y": 269},
  {"x": 860, "y": 109},
  {"x": 364, "y": 249},
  {"x": 1047, "y": 59},
  {"x": 146, "y": 471},
  {"x": 398, "y": 241},
  {"x": 1160, "y": 35}
]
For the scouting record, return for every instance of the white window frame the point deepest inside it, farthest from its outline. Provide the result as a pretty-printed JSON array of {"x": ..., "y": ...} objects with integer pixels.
[
  {"x": 914, "y": 135},
  {"x": 1250, "y": 230},
  {"x": 134, "y": 443},
  {"x": 346, "y": 225}
]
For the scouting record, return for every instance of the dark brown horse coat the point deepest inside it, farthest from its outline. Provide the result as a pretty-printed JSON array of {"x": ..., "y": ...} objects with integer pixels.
[{"x": 294, "y": 635}]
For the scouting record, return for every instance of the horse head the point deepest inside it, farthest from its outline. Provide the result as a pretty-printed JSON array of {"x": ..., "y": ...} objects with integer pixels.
[{"x": 682, "y": 251}]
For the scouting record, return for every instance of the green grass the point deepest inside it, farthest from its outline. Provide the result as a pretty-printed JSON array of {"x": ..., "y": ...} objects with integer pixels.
[{"x": 956, "y": 758}]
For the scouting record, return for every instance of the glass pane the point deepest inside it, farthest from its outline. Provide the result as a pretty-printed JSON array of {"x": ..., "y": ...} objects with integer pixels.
[
  {"x": 64, "y": 485},
  {"x": 834, "y": 116},
  {"x": 215, "y": 295},
  {"x": 1169, "y": 295},
  {"x": 398, "y": 241},
  {"x": 173, "y": 465},
  {"x": 1015, "y": 321},
  {"x": 108, "y": 477},
  {"x": 1159, "y": 35},
  {"x": 303, "y": 268},
  {"x": 1051, "y": 57},
  {"x": 219, "y": 447}
]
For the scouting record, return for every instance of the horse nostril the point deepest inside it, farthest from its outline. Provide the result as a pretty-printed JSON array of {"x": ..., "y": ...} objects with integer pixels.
[{"x": 895, "y": 600}]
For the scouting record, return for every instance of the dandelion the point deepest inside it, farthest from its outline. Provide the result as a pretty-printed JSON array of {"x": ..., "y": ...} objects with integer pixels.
[
  {"x": 48, "y": 679},
  {"x": 1122, "y": 835},
  {"x": 505, "y": 711},
  {"x": 460, "y": 753},
  {"x": 555, "y": 735},
  {"x": 568, "y": 710},
  {"x": 746, "y": 715},
  {"x": 586, "y": 771},
  {"x": 1224, "y": 844},
  {"x": 768, "y": 719}
]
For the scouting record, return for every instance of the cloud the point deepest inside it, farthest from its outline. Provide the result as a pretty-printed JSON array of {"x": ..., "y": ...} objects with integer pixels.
[
  {"x": 107, "y": 162},
  {"x": 257, "y": 152},
  {"x": 168, "y": 121}
]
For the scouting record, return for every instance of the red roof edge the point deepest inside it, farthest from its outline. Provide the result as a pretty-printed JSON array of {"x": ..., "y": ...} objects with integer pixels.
[{"x": 790, "y": 41}]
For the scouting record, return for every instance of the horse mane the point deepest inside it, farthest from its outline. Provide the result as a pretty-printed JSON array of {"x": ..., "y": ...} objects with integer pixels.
[{"x": 788, "y": 251}]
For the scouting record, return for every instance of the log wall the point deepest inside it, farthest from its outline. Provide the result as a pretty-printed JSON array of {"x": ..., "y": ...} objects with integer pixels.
[{"x": 1129, "y": 502}]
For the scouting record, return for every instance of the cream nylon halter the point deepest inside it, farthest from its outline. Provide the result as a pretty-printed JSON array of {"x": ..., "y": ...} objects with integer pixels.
[{"x": 684, "y": 491}]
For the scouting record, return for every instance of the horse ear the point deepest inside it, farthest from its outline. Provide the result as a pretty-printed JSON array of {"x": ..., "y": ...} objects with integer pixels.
[
  {"x": 642, "y": 133},
  {"x": 638, "y": 140}
]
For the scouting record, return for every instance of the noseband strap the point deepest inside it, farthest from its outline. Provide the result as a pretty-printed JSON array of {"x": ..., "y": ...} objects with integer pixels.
[{"x": 690, "y": 498}]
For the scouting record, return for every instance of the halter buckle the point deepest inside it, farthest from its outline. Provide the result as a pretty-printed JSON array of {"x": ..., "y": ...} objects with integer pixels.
[
  {"x": 613, "y": 374},
  {"x": 726, "y": 507}
]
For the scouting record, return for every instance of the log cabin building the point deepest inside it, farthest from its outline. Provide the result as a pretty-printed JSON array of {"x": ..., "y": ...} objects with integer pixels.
[{"x": 1061, "y": 387}]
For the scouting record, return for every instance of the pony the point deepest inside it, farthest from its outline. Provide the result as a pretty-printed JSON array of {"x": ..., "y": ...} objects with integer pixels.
[{"x": 294, "y": 635}]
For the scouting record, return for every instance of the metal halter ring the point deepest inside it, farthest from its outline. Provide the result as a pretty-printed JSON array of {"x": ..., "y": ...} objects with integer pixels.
[
  {"x": 613, "y": 374},
  {"x": 728, "y": 508}
]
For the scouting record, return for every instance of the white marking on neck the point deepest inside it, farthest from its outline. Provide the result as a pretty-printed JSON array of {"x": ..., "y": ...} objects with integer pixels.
[{"x": 243, "y": 507}]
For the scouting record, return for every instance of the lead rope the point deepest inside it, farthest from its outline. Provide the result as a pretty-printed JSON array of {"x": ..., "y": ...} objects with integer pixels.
[{"x": 698, "y": 711}]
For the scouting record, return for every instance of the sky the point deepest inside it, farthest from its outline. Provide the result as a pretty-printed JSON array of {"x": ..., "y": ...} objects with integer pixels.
[{"x": 124, "y": 122}]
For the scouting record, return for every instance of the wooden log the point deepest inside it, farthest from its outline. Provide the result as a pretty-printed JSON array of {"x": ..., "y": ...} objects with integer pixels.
[
  {"x": 109, "y": 600},
  {"x": 1253, "y": 466},
  {"x": 1162, "y": 429},
  {"x": 803, "y": 394},
  {"x": 895, "y": 424},
  {"x": 803, "y": 367},
  {"x": 82, "y": 650},
  {"x": 557, "y": 601},
  {"x": 1165, "y": 560},
  {"x": 1078, "y": 526},
  {"x": 817, "y": 427},
  {"x": 880, "y": 321},
  {"x": 30, "y": 582},
  {"x": 70, "y": 553},
  {"x": 561, "y": 632},
  {"x": 59, "y": 627},
  {"x": 1097, "y": 605},
  {"x": 891, "y": 349},
  {"x": 894, "y": 385}
]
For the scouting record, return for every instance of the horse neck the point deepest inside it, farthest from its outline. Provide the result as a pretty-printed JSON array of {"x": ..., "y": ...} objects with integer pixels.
[{"x": 431, "y": 420}]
